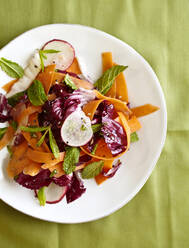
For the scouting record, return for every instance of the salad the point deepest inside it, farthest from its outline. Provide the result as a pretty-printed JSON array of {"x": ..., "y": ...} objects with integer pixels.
[{"x": 61, "y": 128}]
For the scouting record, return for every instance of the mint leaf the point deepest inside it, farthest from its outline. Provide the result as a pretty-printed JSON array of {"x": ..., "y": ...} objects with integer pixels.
[
  {"x": 9, "y": 150},
  {"x": 40, "y": 142},
  {"x": 134, "y": 137},
  {"x": 54, "y": 172},
  {"x": 69, "y": 82},
  {"x": 41, "y": 196},
  {"x": 42, "y": 56},
  {"x": 2, "y": 132},
  {"x": 94, "y": 149},
  {"x": 105, "y": 82},
  {"x": 53, "y": 144},
  {"x": 50, "y": 51},
  {"x": 41, "y": 59},
  {"x": 14, "y": 124},
  {"x": 13, "y": 100},
  {"x": 92, "y": 170},
  {"x": 96, "y": 127},
  {"x": 12, "y": 69},
  {"x": 33, "y": 129},
  {"x": 71, "y": 159},
  {"x": 36, "y": 93}
]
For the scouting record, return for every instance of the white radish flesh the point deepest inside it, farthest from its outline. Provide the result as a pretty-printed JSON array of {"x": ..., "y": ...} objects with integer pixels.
[
  {"x": 30, "y": 73},
  {"x": 54, "y": 193},
  {"x": 64, "y": 58},
  {"x": 76, "y": 130}
]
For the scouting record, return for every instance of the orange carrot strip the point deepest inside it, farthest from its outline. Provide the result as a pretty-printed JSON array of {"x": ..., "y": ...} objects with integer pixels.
[
  {"x": 119, "y": 105},
  {"x": 32, "y": 168},
  {"x": 121, "y": 87},
  {"x": 134, "y": 124},
  {"x": 18, "y": 160},
  {"x": 32, "y": 141},
  {"x": 58, "y": 167},
  {"x": 144, "y": 110},
  {"x": 125, "y": 124},
  {"x": 7, "y": 87},
  {"x": 33, "y": 121},
  {"x": 102, "y": 152},
  {"x": 59, "y": 77},
  {"x": 8, "y": 136},
  {"x": 74, "y": 67},
  {"x": 41, "y": 157},
  {"x": 27, "y": 112},
  {"x": 90, "y": 108},
  {"x": 107, "y": 166},
  {"x": 53, "y": 162},
  {"x": 107, "y": 63},
  {"x": 19, "y": 150},
  {"x": 46, "y": 77}
]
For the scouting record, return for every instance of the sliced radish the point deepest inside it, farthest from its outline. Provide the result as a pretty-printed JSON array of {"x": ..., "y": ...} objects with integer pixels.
[
  {"x": 30, "y": 73},
  {"x": 76, "y": 129},
  {"x": 62, "y": 59},
  {"x": 54, "y": 193}
]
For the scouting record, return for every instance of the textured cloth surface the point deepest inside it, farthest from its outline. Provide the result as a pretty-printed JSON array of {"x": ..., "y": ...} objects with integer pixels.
[{"x": 158, "y": 217}]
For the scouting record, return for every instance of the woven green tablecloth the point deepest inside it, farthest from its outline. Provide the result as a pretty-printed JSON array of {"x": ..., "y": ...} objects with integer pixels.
[{"x": 158, "y": 217}]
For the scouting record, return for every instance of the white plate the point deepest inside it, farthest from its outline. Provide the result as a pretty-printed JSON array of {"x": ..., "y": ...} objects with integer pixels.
[{"x": 138, "y": 163}]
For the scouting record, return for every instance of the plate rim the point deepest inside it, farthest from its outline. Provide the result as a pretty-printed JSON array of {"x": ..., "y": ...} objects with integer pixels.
[{"x": 154, "y": 161}]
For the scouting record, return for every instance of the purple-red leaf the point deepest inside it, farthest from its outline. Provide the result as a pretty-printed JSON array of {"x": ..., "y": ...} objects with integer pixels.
[{"x": 76, "y": 189}]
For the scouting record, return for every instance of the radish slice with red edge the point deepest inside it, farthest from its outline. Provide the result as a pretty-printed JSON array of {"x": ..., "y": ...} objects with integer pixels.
[
  {"x": 62, "y": 59},
  {"x": 54, "y": 193}
]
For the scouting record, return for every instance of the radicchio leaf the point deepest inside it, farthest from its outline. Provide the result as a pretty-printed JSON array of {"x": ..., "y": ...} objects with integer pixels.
[
  {"x": 112, "y": 131},
  {"x": 72, "y": 74},
  {"x": 5, "y": 109},
  {"x": 62, "y": 181},
  {"x": 76, "y": 189},
  {"x": 34, "y": 182},
  {"x": 112, "y": 171},
  {"x": 83, "y": 159}
]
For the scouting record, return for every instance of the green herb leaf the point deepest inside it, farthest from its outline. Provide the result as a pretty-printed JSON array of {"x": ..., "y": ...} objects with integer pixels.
[
  {"x": 41, "y": 196},
  {"x": 134, "y": 137},
  {"x": 83, "y": 127},
  {"x": 71, "y": 159},
  {"x": 96, "y": 128},
  {"x": 94, "y": 149},
  {"x": 10, "y": 150},
  {"x": 50, "y": 51},
  {"x": 92, "y": 170},
  {"x": 13, "y": 100},
  {"x": 2, "y": 132},
  {"x": 39, "y": 143},
  {"x": 53, "y": 144},
  {"x": 33, "y": 129},
  {"x": 69, "y": 82},
  {"x": 105, "y": 82},
  {"x": 41, "y": 59},
  {"x": 12, "y": 69},
  {"x": 14, "y": 124},
  {"x": 54, "y": 172},
  {"x": 36, "y": 93},
  {"x": 42, "y": 56}
]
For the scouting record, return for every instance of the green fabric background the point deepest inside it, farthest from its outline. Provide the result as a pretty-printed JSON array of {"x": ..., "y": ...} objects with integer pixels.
[{"x": 158, "y": 217}]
